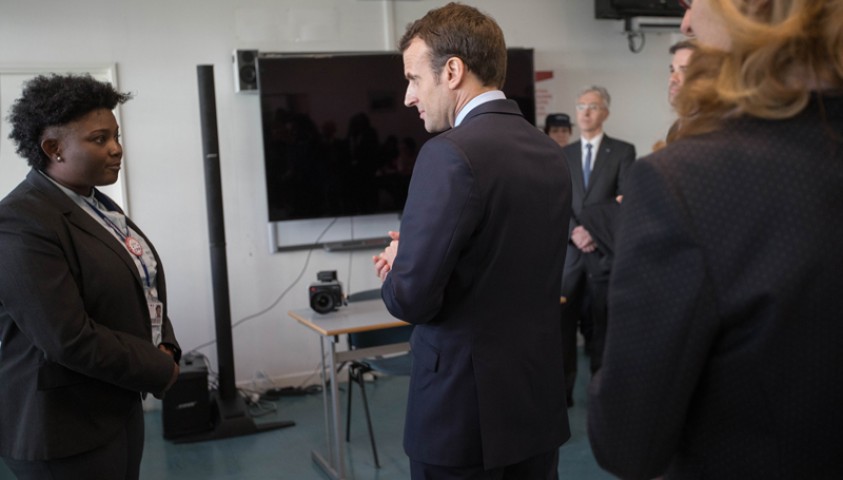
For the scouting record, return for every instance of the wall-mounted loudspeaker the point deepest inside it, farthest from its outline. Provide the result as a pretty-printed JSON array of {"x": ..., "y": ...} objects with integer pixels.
[{"x": 245, "y": 71}]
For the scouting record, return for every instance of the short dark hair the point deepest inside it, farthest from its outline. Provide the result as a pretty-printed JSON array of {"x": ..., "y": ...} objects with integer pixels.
[
  {"x": 55, "y": 100},
  {"x": 457, "y": 30},
  {"x": 683, "y": 45}
]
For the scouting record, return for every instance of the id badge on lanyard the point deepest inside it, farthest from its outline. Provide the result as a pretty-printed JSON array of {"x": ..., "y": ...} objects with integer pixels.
[{"x": 156, "y": 317}]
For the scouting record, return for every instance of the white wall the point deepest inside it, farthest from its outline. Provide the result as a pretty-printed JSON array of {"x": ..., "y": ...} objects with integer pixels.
[{"x": 157, "y": 45}]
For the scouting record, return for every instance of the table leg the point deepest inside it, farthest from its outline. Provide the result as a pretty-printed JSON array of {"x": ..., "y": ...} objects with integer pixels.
[
  {"x": 323, "y": 376},
  {"x": 335, "y": 406},
  {"x": 334, "y": 465}
]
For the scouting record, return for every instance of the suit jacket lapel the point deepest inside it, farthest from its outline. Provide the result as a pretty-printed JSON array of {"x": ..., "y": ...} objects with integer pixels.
[
  {"x": 81, "y": 219},
  {"x": 575, "y": 167},
  {"x": 604, "y": 154},
  {"x": 159, "y": 270}
]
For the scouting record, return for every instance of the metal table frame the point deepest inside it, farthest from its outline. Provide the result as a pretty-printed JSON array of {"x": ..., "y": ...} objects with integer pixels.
[{"x": 356, "y": 317}]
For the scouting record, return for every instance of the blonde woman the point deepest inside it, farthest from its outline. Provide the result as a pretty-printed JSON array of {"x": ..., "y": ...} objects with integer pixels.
[{"x": 724, "y": 337}]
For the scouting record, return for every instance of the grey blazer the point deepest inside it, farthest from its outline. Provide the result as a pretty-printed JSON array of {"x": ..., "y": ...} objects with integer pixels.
[{"x": 76, "y": 349}]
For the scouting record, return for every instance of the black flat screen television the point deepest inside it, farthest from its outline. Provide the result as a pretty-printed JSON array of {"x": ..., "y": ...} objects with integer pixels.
[
  {"x": 619, "y": 9},
  {"x": 338, "y": 140}
]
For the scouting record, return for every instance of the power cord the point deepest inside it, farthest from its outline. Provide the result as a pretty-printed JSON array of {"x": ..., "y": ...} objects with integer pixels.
[
  {"x": 277, "y": 393},
  {"x": 635, "y": 38},
  {"x": 282, "y": 295},
  {"x": 303, "y": 388},
  {"x": 257, "y": 406}
]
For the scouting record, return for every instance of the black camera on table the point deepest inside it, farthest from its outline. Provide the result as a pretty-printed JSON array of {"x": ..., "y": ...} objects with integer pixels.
[{"x": 326, "y": 294}]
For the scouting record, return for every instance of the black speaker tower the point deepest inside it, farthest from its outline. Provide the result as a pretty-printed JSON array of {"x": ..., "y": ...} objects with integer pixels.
[{"x": 229, "y": 413}]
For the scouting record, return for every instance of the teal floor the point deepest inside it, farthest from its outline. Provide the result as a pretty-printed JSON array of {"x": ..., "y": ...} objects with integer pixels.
[{"x": 285, "y": 453}]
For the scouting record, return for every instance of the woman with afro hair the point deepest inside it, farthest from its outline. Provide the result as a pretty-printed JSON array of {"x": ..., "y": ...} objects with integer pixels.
[{"x": 81, "y": 341}]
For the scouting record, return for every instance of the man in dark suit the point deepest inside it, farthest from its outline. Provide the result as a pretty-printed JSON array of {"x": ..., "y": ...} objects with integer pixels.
[
  {"x": 479, "y": 265},
  {"x": 598, "y": 164}
]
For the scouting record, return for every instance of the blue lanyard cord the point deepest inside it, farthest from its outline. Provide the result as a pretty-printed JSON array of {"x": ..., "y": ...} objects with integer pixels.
[{"x": 122, "y": 237}]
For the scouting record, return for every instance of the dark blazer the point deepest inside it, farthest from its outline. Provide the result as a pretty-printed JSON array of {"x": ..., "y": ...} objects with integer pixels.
[
  {"x": 76, "y": 345},
  {"x": 612, "y": 161},
  {"x": 725, "y": 335},
  {"x": 478, "y": 270}
]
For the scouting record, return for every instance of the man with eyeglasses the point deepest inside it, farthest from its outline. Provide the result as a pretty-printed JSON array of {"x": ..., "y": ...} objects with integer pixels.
[{"x": 598, "y": 164}]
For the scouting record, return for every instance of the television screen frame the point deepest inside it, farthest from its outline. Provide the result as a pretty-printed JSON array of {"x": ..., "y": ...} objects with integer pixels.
[
  {"x": 338, "y": 140},
  {"x": 622, "y": 9}
]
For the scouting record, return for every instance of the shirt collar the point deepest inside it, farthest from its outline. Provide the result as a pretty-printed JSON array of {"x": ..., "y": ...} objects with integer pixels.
[
  {"x": 78, "y": 199},
  {"x": 477, "y": 101},
  {"x": 594, "y": 141}
]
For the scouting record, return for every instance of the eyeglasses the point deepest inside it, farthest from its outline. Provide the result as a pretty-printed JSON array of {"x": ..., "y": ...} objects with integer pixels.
[
  {"x": 686, "y": 4},
  {"x": 581, "y": 107}
]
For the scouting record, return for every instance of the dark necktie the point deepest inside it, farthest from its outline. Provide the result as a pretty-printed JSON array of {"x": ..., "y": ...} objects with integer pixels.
[{"x": 586, "y": 170}]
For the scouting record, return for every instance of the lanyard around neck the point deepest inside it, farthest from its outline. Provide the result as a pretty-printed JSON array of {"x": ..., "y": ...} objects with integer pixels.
[{"x": 132, "y": 245}]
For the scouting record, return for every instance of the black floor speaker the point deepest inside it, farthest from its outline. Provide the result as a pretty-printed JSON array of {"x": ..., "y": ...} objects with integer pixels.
[{"x": 187, "y": 405}]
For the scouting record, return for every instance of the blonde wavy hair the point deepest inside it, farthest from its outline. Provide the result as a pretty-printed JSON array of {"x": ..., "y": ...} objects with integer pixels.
[{"x": 781, "y": 51}]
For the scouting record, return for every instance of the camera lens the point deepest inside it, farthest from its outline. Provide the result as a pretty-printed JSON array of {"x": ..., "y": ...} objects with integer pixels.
[{"x": 322, "y": 302}]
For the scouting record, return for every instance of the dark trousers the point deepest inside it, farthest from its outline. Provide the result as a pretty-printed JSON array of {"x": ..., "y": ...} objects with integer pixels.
[
  {"x": 585, "y": 287},
  {"x": 597, "y": 269},
  {"x": 540, "y": 467},
  {"x": 118, "y": 459},
  {"x": 599, "y": 290}
]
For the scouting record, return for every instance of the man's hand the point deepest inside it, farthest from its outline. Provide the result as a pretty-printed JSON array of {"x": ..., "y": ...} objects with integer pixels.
[
  {"x": 582, "y": 239},
  {"x": 383, "y": 261}
]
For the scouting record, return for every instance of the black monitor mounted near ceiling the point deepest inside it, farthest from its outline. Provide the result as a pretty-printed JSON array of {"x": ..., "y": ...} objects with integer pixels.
[{"x": 621, "y": 9}]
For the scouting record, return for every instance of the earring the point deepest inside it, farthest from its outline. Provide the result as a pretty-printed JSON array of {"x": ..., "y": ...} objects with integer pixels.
[{"x": 58, "y": 158}]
